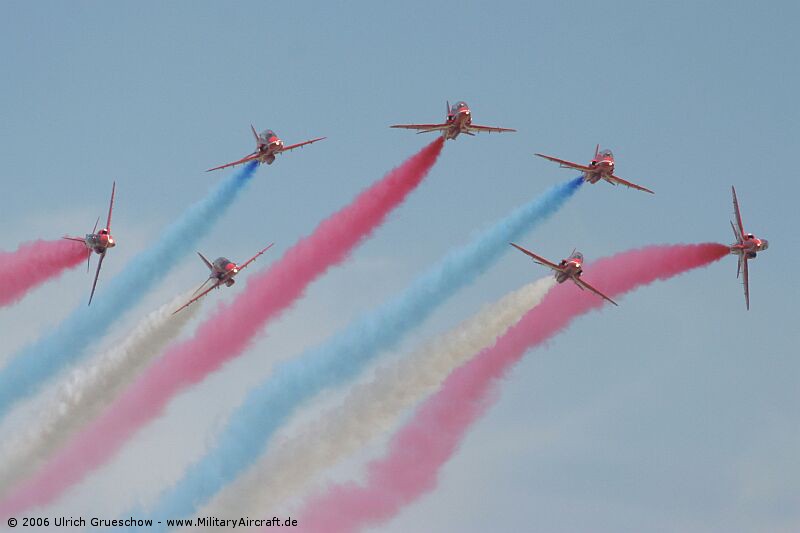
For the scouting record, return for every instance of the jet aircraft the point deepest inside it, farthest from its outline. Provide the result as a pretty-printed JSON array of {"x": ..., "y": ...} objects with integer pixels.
[
  {"x": 570, "y": 268},
  {"x": 746, "y": 247},
  {"x": 98, "y": 241},
  {"x": 268, "y": 145},
  {"x": 601, "y": 167},
  {"x": 459, "y": 120},
  {"x": 223, "y": 271}
]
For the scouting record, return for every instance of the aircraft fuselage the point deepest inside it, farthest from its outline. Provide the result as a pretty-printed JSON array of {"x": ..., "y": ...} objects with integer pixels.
[
  {"x": 750, "y": 246},
  {"x": 224, "y": 270},
  {"x": 459, "y": 117},
  {"x": 99, "y": 242},
  {"x": 602, "y": 169},
  {"x": 571, "y": 269},
  {"x": 267, "y": 148}
]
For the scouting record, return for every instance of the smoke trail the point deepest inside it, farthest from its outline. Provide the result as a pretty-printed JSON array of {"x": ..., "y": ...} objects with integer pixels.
[
  {"x": 430, "y": 438},
  {"x": 88, "y": 389},
  {"x": 230, "y": 330},
  {"x": 25, "y": 372},
  {"x": 370, "y": 408},
  {"x": 34, "y": 263},
  {"x": 267, "y": 406}
]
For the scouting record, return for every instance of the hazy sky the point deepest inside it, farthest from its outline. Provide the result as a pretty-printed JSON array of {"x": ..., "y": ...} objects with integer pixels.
[{"x": 677, "y": 411}]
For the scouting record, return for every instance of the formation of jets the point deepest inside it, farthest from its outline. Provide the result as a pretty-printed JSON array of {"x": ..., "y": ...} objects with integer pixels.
[{"x": 457, "y": 121}]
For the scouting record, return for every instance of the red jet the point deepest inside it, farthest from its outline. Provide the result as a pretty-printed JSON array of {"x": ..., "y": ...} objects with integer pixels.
[
  {"x": 268, "y": 145},
  {"x": 459, "y": 120},
  {"x": 570, "y": 268},
  {"x": 222, "y": 272},
  {"x": 746, "y": 247},
  {"x": 98, "y": 242},
  {"x": 601, "y": 167}
]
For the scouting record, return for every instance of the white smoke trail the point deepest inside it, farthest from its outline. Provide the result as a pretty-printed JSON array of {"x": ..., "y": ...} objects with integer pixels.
[
  {"x": 369, "y": 409},
  {"x": 88, "y": 389}
]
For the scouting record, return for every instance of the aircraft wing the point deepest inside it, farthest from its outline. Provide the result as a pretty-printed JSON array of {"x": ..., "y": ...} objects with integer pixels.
[
  {"x": 585, "y": 285},
  {"x": 745, "y": 281},
  {"x": 243, "y": 160},
  {"x": 536, "y": 258},
  {"x": 193, "y": 300},
  {"x": 298, "y": 145},
  {"x": 616, "y": 179},
  {"x": 255, "y": 257},
  {"x": 423, "y": 128},
  {"x": 567, "y": 164},
  {"x": 738, "y": 215},
  {"x": 76, "y": 239},
  {"x": 111, "y": 206},
  {"x": 489, "y": 129},
  {"x": 96, "y": 275}
]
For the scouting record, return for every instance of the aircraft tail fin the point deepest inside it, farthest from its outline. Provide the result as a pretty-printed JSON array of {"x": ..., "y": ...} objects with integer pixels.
[
  {"x": 255, "y": 134},
  {"x": 447, "y": 111},
  {"x": 596, "y": 151},
  {"x": 736, "y": 233},
  {"x": 206, "y": 261}
]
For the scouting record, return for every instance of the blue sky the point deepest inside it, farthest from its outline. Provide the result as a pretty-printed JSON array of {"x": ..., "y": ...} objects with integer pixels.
[{"x": 676, "y": 411}]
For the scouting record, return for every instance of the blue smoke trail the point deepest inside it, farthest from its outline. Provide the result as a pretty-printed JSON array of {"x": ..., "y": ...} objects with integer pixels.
[
  {"x": 28, "y": 368},
  {"x": 270, "y": 404}
]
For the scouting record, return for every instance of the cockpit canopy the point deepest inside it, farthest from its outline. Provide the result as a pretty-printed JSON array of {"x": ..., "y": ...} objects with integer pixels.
[
  {"x": 605, "y": 154},
  {"x": 267, "y": 135},
  {"x": 221, "y": 262},
  {"x": 458, "y": 106},
  {"x": 577, "y": 255}
]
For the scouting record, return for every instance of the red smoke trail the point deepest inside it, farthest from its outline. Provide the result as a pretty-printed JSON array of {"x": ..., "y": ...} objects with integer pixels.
[
  {"x": 34, "y": 263},
  {"x": 225, "y": 334},
  {"x": 431, "y": 437}
]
